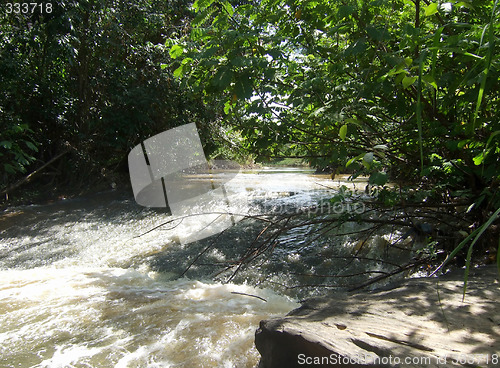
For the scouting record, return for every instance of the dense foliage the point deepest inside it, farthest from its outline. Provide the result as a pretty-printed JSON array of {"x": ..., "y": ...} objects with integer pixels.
[
  {"x": 86, "y": 78},
  {"x": 400, "y": 89}
]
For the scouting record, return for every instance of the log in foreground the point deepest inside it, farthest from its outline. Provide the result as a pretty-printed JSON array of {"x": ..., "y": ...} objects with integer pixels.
[{"x": 421, "y": 322}]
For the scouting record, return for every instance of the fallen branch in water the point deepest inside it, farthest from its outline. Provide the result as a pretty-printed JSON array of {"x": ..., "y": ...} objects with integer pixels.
[
  {"x": 343, "y": 240},
  {"x": 253, "y": 296},
  {"x": 254, "y": 217},
  {"x": 392, "y": 273}
]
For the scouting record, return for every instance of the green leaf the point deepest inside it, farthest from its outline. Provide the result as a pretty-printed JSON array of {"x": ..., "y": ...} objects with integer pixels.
[
  {"x": 478, "y": 160},
  {"x": 179, "y": 71},
  {"x": 357, "y": 47},
  {"x": 228, "y": 7},
  {"x": 345, "y": 11},
  {"x": 275, "y": 53},
  {"x": 353, "y": 121},
  {"x": 202, "y": 4},
  {"x": 489, "y": 58},
  {"x": 183, "y": 68},
  {"x": 436, "y": 41},
  {"x": 431, "y": 9},
  {"x": 176, "y": 51},
  {"x": 318, "y": 112},
  {"x": 31, "y": 146},
  {"x": 408, "y": 81},
  {"x": 243, "y": 88},
  {"x": 368, "y": 159},
  {"x": 343, "y": 132},
  {"x": 378, "y": 178},
  {"x": 493, "y": 135},
  {"x": 474, "y": 55},
  {"x": 354, "y": 159},
  {"x": 187, "y": 61},
  {"x": 400, "y": 76},
  {"x": 481, "y": 230},
  {"x": 223, "y": 77},
  {"x": 476, "y": 234},
  {"x": 228, "y": 106},
  {"x": 395, "y": 71},
  {"x": 9, "y": 168},
  {"x": 429, "y": 79},
  {"x": 378, "y": 34},
  {"x": 6, "y": 144},
  {"x": 466, "y": 4},
  {"x": 463, "y": 143},
  {"x": 419, "y": 111},
  {"x": 220, "y": 20}
]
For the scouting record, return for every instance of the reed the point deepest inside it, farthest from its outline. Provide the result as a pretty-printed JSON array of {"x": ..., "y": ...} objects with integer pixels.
[
  {"x": 476, "y": 234},
  {"x": 489, "y": 56},
  {"x": 419, "y": 112}
]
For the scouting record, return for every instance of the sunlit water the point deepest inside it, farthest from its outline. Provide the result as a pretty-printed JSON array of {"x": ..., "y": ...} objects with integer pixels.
[{"x": 84, "y": 284}]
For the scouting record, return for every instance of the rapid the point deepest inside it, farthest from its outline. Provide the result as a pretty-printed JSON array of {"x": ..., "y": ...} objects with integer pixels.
[{"x": 85, "y": 283}]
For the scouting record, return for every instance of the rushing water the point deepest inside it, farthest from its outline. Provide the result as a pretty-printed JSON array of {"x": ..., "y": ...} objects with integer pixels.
[{"x": 80, "y": 288}]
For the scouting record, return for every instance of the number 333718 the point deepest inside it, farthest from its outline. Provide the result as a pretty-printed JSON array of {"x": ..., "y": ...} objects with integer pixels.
[{"x": 28, "y": 8}]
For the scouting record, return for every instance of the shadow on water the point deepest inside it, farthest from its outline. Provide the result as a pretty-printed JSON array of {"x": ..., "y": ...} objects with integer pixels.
[{"x": 295, "y": 260}]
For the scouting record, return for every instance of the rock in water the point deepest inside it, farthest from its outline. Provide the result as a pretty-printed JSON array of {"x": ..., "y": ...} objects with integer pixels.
[{"x": 421, "y": 322}]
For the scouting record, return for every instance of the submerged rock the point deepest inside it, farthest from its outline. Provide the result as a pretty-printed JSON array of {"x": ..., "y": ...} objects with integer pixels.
[{"x": 421, "y": 322}]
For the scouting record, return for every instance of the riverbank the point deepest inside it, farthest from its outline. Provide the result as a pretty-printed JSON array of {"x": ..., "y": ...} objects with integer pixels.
[{"x": 420, "y": 322}]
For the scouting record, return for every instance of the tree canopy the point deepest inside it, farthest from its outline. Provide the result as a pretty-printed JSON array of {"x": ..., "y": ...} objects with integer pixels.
[{"x": 406, "y": 90}]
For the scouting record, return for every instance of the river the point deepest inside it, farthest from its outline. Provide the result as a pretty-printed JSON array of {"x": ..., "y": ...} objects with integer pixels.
[{"x": 85, "y": 283}]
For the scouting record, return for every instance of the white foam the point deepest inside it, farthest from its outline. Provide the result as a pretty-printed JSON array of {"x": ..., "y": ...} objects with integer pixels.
[{"x": 116, "y": 317}]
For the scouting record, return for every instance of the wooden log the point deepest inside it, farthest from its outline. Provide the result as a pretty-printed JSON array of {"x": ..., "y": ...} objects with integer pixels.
[{"x": 28, "y": 178}]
